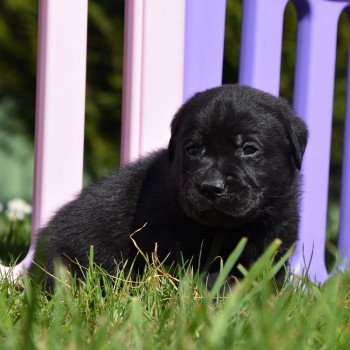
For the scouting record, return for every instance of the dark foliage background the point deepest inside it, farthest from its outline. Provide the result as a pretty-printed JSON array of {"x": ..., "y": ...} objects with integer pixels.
[{"x": 18, "y": 43}]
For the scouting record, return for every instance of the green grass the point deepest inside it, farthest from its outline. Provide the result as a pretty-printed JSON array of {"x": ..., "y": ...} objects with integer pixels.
[
  {"x": 163, "y": 311},
  {"x": 171, "y": 311},
  {"x": 14, "y": 239}
]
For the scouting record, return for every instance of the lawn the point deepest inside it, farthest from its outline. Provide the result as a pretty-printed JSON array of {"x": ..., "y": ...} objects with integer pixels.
[{"x": 175, "y": 311}]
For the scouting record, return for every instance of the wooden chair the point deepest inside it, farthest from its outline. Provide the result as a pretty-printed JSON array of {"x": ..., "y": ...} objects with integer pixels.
[{"x": 174, "y": 48}]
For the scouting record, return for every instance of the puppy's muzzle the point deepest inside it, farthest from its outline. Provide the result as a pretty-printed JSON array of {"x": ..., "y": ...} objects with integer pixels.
[{"x": 212, "y": 188}]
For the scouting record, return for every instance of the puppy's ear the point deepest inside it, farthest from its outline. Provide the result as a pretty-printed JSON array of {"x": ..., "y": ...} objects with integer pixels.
[
  {"x": 297, "y": 134},
  {"x": 171, "y": 148},
  {"x": 174, "y": 129}
]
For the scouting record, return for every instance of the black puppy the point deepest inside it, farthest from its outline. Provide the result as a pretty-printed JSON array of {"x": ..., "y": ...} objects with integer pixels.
[{"x": 231, "y": 170}]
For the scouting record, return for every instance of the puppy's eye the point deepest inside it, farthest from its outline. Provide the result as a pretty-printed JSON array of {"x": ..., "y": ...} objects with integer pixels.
[
  {"x": 249, "y": 150},
  {"x": 195, "y": 150}
]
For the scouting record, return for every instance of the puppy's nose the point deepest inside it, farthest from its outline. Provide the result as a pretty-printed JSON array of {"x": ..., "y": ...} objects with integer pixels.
[{"x": 212, "y": 188}]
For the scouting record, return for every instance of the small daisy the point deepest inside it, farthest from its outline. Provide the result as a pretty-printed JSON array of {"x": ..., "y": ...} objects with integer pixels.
[{"x": 17, "y": 209}]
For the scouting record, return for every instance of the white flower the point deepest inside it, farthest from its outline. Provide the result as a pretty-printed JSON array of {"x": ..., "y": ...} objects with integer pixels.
[{"x": 17, "y": 209}]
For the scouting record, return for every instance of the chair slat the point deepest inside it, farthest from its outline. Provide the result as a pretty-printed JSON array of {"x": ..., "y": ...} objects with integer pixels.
[
  {"x": 161, "y": 47},
  {"x": 60, "y": 111},
  {"x": 132, "y": 80},
  {"x": 313, "y": 101},
  {"x": 204, "y": 45},
  {"x": 261, "y": 44},
  {"x": 60, "y": 108},
  {"x": 344, "y": 227}
]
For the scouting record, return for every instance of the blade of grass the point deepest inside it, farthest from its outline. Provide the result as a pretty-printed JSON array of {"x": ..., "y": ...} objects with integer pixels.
[
  {"x": 136, "y": 320},
  {"x": 239, "y": 297},
  {"x": 228, "y": 266}
]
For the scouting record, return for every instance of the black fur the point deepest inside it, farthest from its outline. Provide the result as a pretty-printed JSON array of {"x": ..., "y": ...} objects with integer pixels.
[{"x": 231, "y": 170}]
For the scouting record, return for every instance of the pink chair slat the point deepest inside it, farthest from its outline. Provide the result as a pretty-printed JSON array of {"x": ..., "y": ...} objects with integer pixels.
[
  {"x": 132, "y": 80},
  {"x": 59, "y": 131},
  {"x": 313, "y": 100},
  {"x": 261, "y": 44},
  {"x": 60, "y": 105},
  {"x": 60, "y": 110},
  {"x": 162, "y": 70},
  {"x": 161, "y": 46}
]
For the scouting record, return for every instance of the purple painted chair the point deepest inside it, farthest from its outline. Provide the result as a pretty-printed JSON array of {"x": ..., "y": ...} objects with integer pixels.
[
  {"x": 188, "y": 37},
  {"x": 313, "y": 101}
]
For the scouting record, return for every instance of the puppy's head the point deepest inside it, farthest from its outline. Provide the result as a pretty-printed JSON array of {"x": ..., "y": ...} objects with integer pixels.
[{"x": 235, "y": 152}]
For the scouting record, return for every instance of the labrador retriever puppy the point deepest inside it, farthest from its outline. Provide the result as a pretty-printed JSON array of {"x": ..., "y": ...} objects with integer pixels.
[{"x": 231, "y": 170}]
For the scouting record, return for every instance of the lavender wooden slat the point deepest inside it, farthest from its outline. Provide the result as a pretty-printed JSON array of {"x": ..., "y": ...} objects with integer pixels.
[
  {"x": 261, "y": 44},
  {"x": 204, "y": 45},
  {"x": 313, "y": 100},
  {"x": 161, "y": 47},
  {"x": 344, "y": 227}
]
